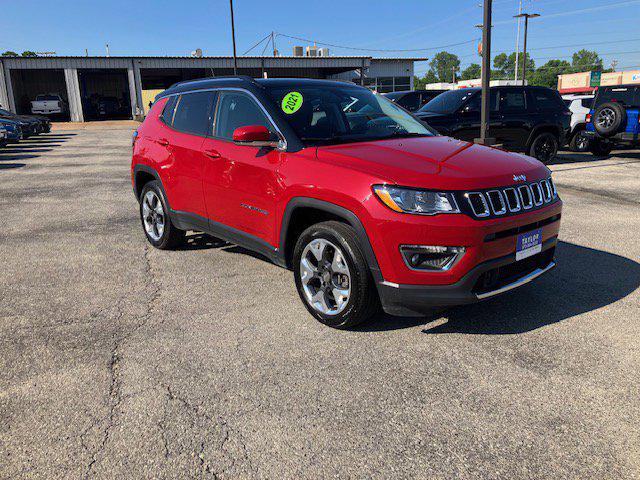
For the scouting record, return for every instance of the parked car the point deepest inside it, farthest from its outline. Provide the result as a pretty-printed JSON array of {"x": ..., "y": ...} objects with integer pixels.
[
  {"x": 13, "y": 129},
  {"x": 533, "y": 120},
  {"x": 3, "y": 136},
  {"x": 413, "y": 100},
  {"x": 31, "y": 124},
  {"x": 361, "y": 200},
  {"x": 111, "y": 106},
  {"x": 614, "y": 118},
  {"x": 48, "y": 104},
  {"x": 579, "y": 106}
]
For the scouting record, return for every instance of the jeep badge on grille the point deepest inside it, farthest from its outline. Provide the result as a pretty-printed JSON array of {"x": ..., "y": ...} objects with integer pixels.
[{"x": 519, "y": 178}]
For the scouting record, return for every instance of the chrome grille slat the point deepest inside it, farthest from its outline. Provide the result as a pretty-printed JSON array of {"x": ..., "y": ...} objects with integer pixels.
[
  {"x": 546, "y": 191},
  {"x": 478, "y": 196},
  {"x": 525, "y": 191},
  {"x": 537, "y": 194},
  {"x": 494, "y": 196},
  {"x": 509, "y": 194}
]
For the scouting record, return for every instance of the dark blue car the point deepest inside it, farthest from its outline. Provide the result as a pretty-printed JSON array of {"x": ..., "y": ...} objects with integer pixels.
[
  {"x": 13, "y": 128},
  {"x": 614, "y": 119}
]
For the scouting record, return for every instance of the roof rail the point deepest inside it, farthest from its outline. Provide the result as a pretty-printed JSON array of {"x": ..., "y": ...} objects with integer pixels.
[{"x": 246, "y": 78}]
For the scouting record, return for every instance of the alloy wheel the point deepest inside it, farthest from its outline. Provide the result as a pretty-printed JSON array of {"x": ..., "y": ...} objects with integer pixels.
[
  {"x": 153, "y": 215},
  {"x": 325, "y": 276},
  {"x": 606, "y": 118}
]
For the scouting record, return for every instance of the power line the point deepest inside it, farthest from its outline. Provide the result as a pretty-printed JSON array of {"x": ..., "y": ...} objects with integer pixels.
[
  {"x": 376, "y": 49},
  {"x": 268, "y": 36}
]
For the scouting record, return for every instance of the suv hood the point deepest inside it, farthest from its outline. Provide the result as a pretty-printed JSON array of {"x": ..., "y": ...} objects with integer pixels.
[{"x": 434, "y": 162}]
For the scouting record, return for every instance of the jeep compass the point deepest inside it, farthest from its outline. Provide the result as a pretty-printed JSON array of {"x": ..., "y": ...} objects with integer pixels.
[{"x": 365, "y": 204}]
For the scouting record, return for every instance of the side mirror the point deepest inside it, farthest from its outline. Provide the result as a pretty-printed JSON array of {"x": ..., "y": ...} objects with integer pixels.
[{"x": 254, "y": 136}]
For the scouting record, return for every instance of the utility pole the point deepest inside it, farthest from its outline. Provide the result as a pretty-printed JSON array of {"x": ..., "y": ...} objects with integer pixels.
[
  {"x": 233, "y": 39},
  {"x": 614, "y": 64},
  {"x": 515, "y": 76},
  {"x": 486, "y": 76},
  {"x": 526, "y": 17}
]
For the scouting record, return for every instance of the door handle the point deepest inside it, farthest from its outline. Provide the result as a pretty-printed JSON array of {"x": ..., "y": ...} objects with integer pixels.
[
  {"x": 163, "y": 141},
  {"x": 212, "y": 153}
]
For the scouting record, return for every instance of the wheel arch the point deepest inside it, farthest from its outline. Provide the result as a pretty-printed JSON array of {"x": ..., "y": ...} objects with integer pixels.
[
  {"x": 143, "y": 174},
  {"x": 547, "y": 128},
  {"x": 302, "y": 212}
]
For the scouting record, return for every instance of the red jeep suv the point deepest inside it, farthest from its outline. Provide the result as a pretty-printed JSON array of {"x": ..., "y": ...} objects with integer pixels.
[{"x": 359, "y": 198}]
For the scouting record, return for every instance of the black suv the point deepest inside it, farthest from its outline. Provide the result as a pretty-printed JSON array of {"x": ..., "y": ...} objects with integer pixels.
[
  {"x": 413, "y": 100},
  {"x": 533, "y": 120}
]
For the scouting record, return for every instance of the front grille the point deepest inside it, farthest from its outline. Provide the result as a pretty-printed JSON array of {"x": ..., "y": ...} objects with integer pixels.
[{"x": 508, "y": 200}]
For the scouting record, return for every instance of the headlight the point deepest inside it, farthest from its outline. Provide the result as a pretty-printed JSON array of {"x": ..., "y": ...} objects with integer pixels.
[{"x": 421, "y": 202}]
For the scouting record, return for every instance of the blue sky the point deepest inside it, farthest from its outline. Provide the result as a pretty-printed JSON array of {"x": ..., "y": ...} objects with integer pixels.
[{"x": 146, "y": 27}]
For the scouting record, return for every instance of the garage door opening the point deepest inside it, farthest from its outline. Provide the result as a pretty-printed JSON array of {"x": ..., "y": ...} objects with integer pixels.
[
  {"x": 31, "y": 85},
  {"x": 155, "y": 80},
  {"x": 105, "y": 94}
]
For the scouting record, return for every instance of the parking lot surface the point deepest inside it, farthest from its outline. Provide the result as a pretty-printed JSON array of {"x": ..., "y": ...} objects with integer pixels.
[{"x": 121, "y": 361}]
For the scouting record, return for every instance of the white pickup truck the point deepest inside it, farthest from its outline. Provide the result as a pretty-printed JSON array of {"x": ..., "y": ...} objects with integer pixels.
[{"x": 47, "y": 104}]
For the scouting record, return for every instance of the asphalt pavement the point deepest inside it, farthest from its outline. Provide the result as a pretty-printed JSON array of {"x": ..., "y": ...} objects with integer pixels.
[{"x": 121, "y": 361}]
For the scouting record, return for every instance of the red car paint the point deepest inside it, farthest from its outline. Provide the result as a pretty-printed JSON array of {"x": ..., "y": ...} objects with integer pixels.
[{"x": 218, "y": 179}]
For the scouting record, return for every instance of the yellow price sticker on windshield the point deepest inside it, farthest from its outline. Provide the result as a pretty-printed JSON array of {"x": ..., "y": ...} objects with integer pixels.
[{"x": 292, "y": 102}]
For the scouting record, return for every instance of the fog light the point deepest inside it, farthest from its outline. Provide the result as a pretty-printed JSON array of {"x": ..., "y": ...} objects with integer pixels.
[{"x": 431, "y": 257}]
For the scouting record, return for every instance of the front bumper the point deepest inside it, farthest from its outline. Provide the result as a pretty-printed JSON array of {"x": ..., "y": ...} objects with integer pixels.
[{"x": 486, "y": 280}]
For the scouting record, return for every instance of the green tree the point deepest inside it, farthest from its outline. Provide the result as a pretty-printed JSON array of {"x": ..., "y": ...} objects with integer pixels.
[
  {"x": 472, "y": 71},
  {"x": 586, "y": 60},
  {"x": 443, "y": 64},
  {"x": 9, "y": 53},
  {"x": 505, "y": 66},
  {"x": 419, "y": 83},
  {"x": 547, "y": 74},
  {"x": 29, "y": 53}
]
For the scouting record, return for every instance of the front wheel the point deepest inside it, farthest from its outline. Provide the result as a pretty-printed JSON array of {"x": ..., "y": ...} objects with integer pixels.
[
  {"x": 544, "y": 147},
  {"x": 333, "y": 277},
  {"x": 154, "y": 214}
]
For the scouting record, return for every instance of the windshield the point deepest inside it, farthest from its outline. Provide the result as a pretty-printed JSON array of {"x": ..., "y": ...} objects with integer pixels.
[
  {"x": 341, "y": 113},
  {"x": 448, "y": 102}
]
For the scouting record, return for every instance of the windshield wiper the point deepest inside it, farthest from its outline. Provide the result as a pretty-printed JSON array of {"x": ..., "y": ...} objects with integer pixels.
[{"x": 404, "y": 135}]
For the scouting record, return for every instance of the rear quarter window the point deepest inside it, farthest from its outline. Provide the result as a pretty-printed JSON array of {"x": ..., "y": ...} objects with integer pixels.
[
  {"x": 167, "y": 112},
  {"x": 547, "y": 100},
  {"x": 627, "y": 96}
]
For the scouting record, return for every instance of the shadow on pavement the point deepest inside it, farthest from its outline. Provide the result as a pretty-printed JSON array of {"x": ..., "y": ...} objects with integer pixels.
[
  {"x": 584, "y": 280},
  {"x": 7, "y": 166},
  {"x": 570, "y": 157}
]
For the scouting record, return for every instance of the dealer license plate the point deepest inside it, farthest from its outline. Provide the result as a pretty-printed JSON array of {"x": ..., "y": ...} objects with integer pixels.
[{"x": 529, "y": 244}]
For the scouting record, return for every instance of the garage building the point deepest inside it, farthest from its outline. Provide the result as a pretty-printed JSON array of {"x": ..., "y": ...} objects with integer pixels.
[{"x": 122, "y": 87}]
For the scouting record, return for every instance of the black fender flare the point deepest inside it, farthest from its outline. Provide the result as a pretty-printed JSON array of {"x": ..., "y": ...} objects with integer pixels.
[
  {"x": 536, "y": 131},
  {"x": 345, "y": 214},
  {"x": 151, "y": 171}
]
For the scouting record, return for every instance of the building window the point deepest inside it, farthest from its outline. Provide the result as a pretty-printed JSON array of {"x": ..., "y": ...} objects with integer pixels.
[{"x": 401, "y": 83}]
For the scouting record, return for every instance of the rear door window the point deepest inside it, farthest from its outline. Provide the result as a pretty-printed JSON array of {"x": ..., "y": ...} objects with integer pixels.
[
  {"x": 512, "y": 101},
  {"x": 587, "y": 102},
  {"x": 167, "y": 112},
  {"x": 194, "y": 112},
  {"x": 236, "y": 109}
]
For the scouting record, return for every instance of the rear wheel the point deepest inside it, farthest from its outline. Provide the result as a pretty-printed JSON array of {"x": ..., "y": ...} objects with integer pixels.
[
  {"x": 600, "y": 148},
  {"x": 544, "y": 147},
  {"x": 333, "y": 277},
  {"x": 154, "y": 214},
  {"x": 580, "y": 142}
]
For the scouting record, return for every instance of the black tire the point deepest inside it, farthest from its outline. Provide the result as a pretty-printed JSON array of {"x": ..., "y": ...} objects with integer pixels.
[
  {"x": 171, "y": 236},
  {"x": 609, "y": 118},
  {"x": 600, "y": 148},
  {"x": 544, "y": 147},
  {"x": 580, "y": 142},
  {"x": 363, "y": 301}
]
